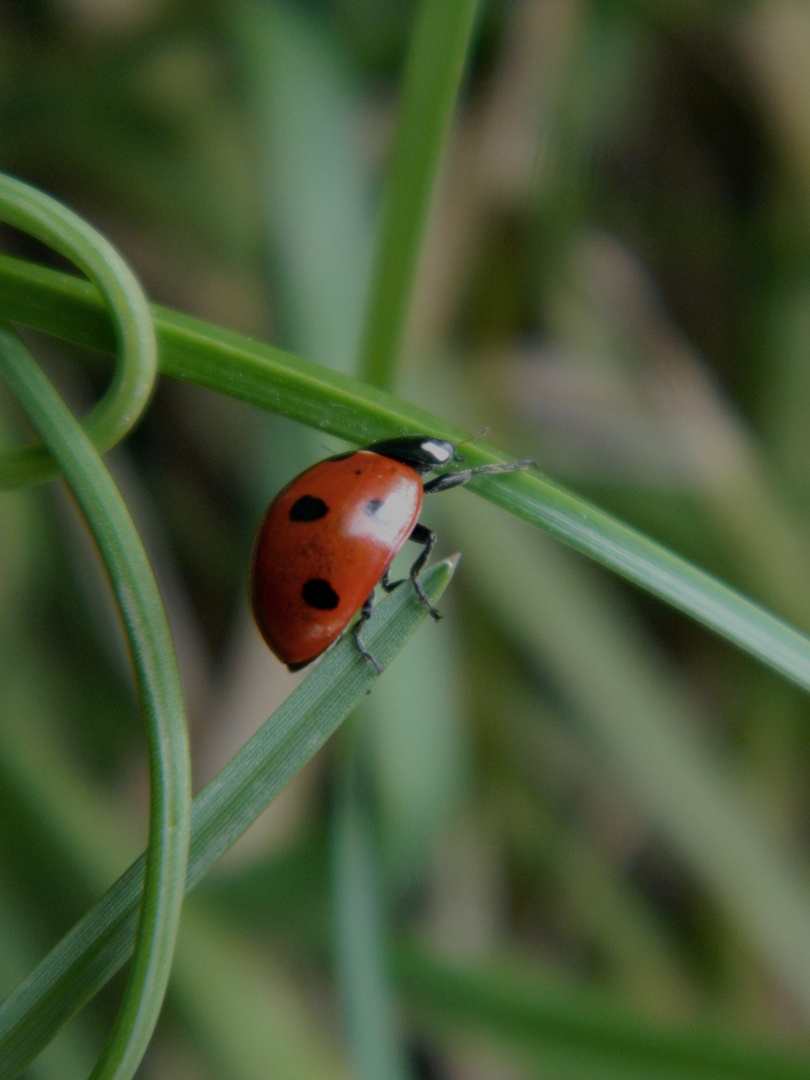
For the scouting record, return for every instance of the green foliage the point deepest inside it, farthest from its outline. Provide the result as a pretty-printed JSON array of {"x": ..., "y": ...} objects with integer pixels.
[{"x": 592, "y": 235}]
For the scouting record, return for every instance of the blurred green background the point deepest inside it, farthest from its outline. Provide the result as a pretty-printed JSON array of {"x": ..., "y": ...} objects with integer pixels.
[{"x": 568, "y": 781}]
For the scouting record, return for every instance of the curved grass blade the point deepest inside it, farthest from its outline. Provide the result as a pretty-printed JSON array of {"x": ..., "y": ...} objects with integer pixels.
[
  {"x": 52, "y": 223},
  {"x": 164, "y": 713},
  {"x": 101, "y": 941},
  {"x": 229, "y": 363}
]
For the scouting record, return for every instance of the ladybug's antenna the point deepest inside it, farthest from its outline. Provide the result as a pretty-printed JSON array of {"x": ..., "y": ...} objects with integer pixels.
[
  {"x": 472, "y": 438},
  {"x": 478, "y": 435}
]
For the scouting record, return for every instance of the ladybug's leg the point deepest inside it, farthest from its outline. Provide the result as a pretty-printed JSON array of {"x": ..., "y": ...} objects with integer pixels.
[
  {"x": 422, "y": 535},
  {"x": 456, "y": 479},
  {"x": 365, "y": 615},
  {"x": 386, "y": 582}
]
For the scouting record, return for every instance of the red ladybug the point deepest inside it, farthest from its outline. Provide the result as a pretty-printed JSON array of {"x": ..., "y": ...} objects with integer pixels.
[{"x": 330, "y": 536}]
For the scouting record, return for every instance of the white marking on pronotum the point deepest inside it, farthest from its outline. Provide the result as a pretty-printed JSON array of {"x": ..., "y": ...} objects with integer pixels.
[{"x": 441, "y": 453}]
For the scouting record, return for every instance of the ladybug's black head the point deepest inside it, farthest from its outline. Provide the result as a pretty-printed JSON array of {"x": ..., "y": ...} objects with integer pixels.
[{"x": 421, "y": 452}]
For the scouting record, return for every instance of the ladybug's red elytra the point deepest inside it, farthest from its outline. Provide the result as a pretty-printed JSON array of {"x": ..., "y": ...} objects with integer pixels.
[{"x": 330, "y": 536}]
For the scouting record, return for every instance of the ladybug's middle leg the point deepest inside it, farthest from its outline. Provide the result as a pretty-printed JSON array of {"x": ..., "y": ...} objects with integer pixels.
[
  {"x": 365, "y": 615},
  {"x": 422, "y": 535}
]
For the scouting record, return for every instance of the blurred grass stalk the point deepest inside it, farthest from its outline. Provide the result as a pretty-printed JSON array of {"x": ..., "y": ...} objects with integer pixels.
[
  {"x": 245, "y": 1010},
  {"x": 100, "y": 943},
  {"x": 251, "y": 1016},
  {"x": 639, "y": 714},
  {"x": 436, "y": 60},
  {"x": 710, "y": 450},
  {"x": 437, "y": 57}
]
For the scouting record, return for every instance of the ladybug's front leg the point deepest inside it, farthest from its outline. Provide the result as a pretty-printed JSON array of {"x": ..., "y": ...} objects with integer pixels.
[
  {"x": 365, "y": 615},
  {"x": 423, "y": 535},
  {"x": 456, "y": 479}
]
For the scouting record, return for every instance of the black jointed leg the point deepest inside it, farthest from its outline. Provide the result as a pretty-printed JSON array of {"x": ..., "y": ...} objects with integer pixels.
[
  {"x": 457, "y": 479},
  {"x": 365, "y": 615},
  {"x": 422, "y": 535},
  {"x": 386, "y": 582}
]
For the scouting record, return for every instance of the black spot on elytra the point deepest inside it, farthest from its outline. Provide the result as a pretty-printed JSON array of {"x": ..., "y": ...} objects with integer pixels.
[
  {"x": 308, "y": 508},
  {"x": 320, "y": 594},
  {"x": 372, "y": 506},
  {"x": 358, "y": 472}
]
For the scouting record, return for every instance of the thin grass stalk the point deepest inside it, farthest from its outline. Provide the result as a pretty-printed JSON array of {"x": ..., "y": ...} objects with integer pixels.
[{"x": 161, "y": 696}]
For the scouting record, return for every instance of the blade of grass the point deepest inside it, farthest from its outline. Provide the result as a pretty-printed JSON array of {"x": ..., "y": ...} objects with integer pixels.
[
  {"x": 99, "y": 944},
  {"x": 368, "y": 1003},
  {"x": 159, "y": 683},
  {"x": 314, "y": 190},
  {"x": 435, "y": 65},
  {"x": 229, "y": 363},
  {"x": 240, "y": 1003},
  {"x": 575, "y": 1028},
  {"x": 119, "y": 409},
  {"x": 71, "y": 1055}
]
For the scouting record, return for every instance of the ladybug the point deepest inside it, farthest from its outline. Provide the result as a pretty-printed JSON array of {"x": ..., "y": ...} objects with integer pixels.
[{"x": 330, "y": 536}]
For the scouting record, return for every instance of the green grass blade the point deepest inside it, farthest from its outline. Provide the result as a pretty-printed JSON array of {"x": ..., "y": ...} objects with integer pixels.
[
  {"x": 431, "y": 84},
  {"x": 313, "y": 185},
  {"x": 367, "y": 1000},
  {"x": 658, "y": 570},
  {"x": 119, "y": 409},
  {"x": 229, "y": 363},
  {"x": 159, "y": 683},
  {"x": 100, "y": 943},
  {"x": 579, "y": 1030}
]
